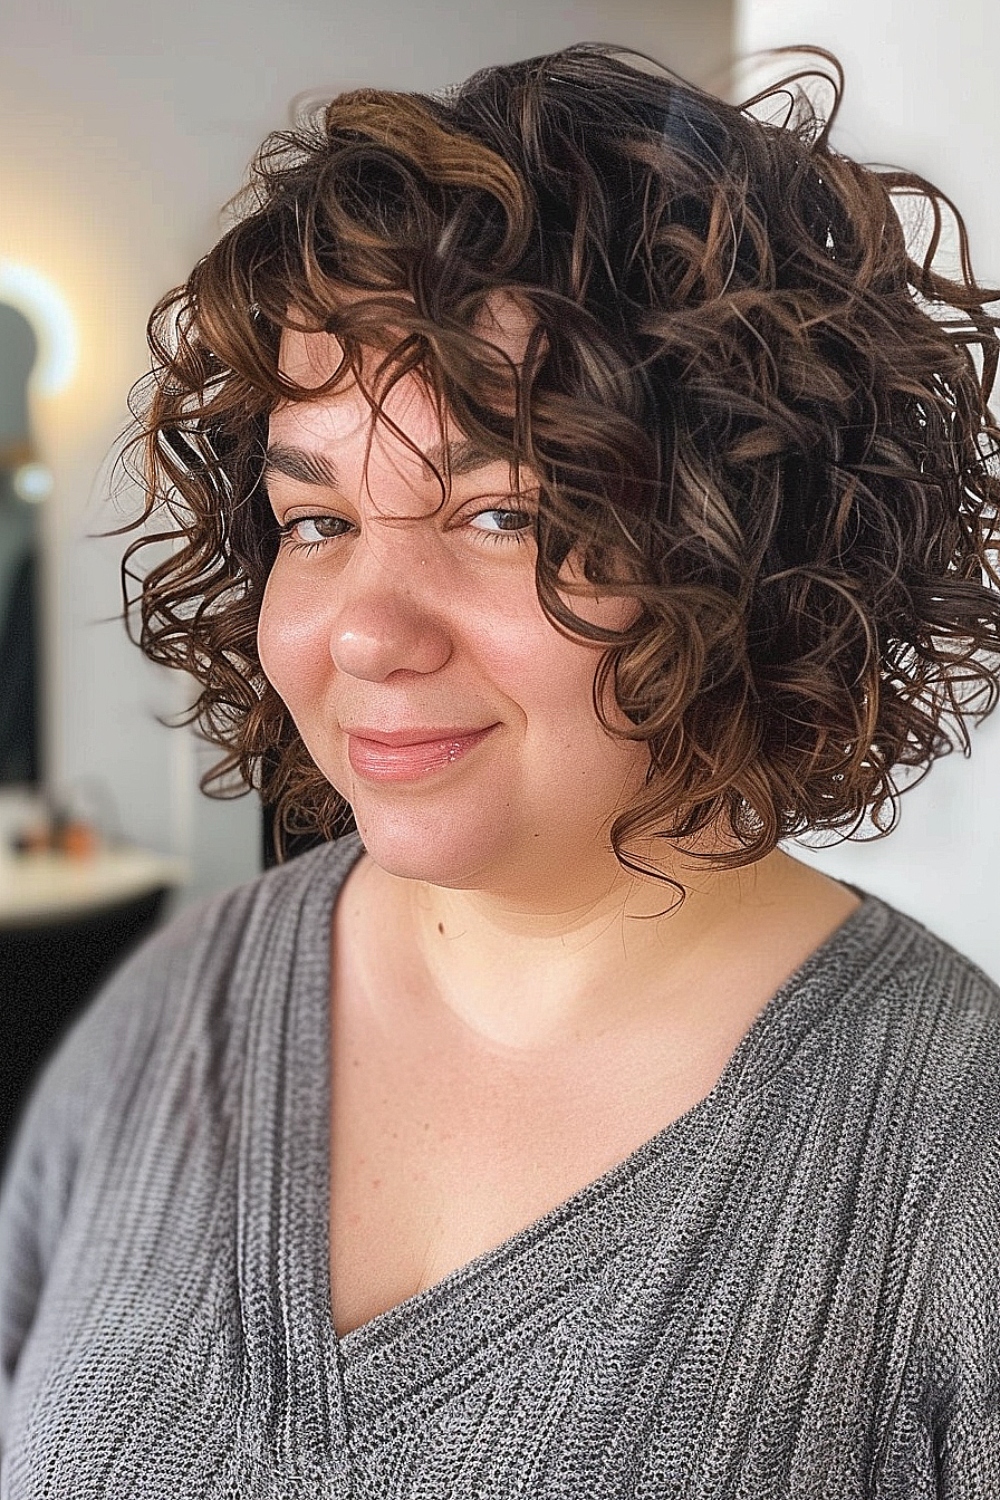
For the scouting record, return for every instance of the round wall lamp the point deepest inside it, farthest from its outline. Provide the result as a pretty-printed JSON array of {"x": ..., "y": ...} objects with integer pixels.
[{"x": 48, "y": 313}]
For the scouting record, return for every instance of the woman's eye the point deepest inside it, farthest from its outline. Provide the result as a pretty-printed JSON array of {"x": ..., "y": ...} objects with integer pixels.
[
  {"x": 503, "y": 525},
  {"x": 311, "y": 531},
  {"x": 497, "y": 525}
]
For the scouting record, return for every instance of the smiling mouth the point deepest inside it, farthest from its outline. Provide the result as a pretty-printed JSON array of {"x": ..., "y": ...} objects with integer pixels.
[
  {"x": 414, "y": 736},
  {"x": 376, "y": 760}
]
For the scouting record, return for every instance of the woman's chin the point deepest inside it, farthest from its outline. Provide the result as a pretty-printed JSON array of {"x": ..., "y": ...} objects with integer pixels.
[{"x": 440, "y": 850}]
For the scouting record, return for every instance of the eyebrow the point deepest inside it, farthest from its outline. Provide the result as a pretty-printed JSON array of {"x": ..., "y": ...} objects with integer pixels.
[
  {"x": 301, "y": 464},
  {"x": 464, "y": 456}
]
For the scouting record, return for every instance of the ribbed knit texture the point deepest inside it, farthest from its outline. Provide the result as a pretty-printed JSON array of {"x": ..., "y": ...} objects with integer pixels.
[{"x": 791, "y": 1293}]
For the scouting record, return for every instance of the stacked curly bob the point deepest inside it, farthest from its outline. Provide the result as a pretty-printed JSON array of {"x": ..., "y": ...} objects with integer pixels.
[{"x": 743, "y": 397}]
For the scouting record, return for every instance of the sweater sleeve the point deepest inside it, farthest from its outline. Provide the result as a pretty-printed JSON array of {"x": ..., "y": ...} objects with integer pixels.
[
  {"x": 92, "y": 1067},
  {"x": 36, "y": 1190},
  {"x": 962, "y": 1346}
]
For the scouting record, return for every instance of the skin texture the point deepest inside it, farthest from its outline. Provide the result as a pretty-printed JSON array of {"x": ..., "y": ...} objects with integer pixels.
[{"x": 495, "y": 875}]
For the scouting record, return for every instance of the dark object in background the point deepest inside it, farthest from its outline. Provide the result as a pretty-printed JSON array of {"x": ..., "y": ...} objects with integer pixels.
[
  {"x": 21, "y": 561},
  {"x": 48, "y": 971},
  {"x": 294, "y": 843},
  {"x": 19, "y": 680}
]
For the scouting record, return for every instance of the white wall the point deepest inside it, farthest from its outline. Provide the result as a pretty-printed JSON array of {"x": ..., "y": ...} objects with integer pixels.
[
  {"x": 921, "y": 93},
  {"x": 125, "y": 127}
]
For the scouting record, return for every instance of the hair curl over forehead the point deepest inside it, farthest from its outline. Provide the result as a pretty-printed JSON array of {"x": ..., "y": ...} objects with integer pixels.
[{"x": 747, "y": 404}]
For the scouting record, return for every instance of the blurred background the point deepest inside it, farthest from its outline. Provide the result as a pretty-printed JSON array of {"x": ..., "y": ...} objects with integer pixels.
[{"x": 125, "y": 129}]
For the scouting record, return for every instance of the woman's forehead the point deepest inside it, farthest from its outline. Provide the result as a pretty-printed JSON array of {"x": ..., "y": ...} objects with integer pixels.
[
  {"x": 407, "y": 412},
  {"x": 340, "y": 434},
  {"x": 310, "y": 358}
]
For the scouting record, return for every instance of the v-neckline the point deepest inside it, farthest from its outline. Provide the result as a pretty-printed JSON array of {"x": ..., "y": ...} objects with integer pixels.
[{"x": 438, "y": 1326}]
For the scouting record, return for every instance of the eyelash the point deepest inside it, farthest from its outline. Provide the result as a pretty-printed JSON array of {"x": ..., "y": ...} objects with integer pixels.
[{"x": 520, "y": 535}]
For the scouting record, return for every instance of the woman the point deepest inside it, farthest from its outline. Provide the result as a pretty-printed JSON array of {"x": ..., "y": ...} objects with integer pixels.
[{"x": 575, "y": 487}]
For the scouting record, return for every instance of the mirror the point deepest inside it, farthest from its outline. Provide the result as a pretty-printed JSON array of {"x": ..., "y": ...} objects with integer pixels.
[{"x": 23, "y": 482}]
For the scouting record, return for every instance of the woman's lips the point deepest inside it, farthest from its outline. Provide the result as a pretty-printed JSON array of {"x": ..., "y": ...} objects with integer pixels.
[{"x": 378, "y": 762}]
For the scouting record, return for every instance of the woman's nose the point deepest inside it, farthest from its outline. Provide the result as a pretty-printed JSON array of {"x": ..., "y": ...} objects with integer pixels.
[{"x": 386, "y": 620}]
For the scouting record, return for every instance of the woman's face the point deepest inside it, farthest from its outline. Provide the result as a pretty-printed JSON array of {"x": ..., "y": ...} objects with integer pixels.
[{"x": 388, "y": 612}]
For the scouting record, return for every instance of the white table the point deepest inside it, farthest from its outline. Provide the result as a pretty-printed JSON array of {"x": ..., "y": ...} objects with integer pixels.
[{"x": 45, "y": 887}]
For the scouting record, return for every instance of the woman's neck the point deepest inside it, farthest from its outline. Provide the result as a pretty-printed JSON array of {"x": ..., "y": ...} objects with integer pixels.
[{"x": 521, "y": 977}]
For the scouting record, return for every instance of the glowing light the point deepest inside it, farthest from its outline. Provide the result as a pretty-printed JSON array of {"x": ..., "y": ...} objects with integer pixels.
[
  {"x": 48, "y": 313},
  {"x": 33, "y": 482}
]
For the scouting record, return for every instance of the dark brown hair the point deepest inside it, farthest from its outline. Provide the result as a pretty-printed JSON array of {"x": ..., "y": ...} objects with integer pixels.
[{"x": 743, "y": 396}]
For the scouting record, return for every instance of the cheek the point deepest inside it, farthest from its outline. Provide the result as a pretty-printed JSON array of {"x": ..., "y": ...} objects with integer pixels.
[
  {"x": 571, "y": 745},
  {"x": 558, "y": 674},
  {"x": 549, "y": 678},
  {"x": 290, "y": 641}
]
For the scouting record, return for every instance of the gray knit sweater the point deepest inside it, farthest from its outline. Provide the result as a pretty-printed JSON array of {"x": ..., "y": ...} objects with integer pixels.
[{"x": 791, "y": 1293}]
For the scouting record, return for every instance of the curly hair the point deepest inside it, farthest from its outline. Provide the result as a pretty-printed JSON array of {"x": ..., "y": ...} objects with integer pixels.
[{"x": 746, "y": 404}]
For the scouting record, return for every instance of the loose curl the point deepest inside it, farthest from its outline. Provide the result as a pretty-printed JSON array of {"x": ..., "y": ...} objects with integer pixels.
[{"x": 748, "y": 407}]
